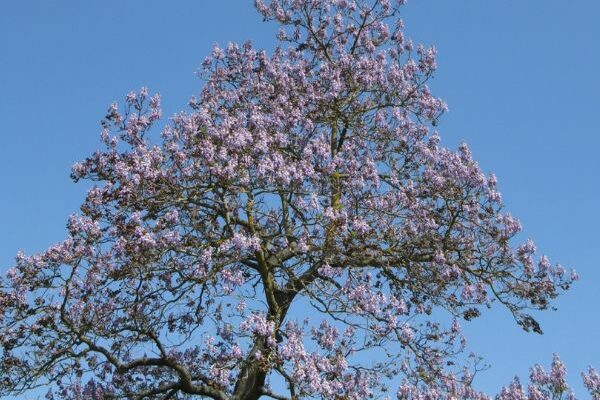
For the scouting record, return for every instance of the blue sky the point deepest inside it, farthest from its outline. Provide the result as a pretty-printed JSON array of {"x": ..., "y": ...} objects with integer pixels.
[{"x": 520, "y": 77}]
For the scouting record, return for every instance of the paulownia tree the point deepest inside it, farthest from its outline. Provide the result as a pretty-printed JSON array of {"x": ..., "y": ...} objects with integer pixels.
[{"x": 298, "y": 233}]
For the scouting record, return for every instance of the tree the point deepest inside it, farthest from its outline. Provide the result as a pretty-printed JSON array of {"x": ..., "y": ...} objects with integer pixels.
[{"x": 307, "y": 182}]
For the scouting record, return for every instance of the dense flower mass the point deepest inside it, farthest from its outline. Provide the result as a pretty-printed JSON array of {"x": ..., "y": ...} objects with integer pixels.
[{"x": 297, "y": 233}]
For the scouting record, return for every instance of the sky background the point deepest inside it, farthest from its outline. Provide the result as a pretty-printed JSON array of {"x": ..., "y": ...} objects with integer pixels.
[{"x": 520, "y": 78}]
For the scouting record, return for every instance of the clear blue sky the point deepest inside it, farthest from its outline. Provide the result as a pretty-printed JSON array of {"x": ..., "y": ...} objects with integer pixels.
[{"x": 520, "y": 77}]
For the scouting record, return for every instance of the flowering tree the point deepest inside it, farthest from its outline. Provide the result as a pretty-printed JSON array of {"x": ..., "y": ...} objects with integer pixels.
[{"x": 298, "y": 233}]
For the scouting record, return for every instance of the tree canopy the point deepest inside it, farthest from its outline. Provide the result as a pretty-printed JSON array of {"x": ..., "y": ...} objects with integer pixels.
[{"x": 298, "y": 232}]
